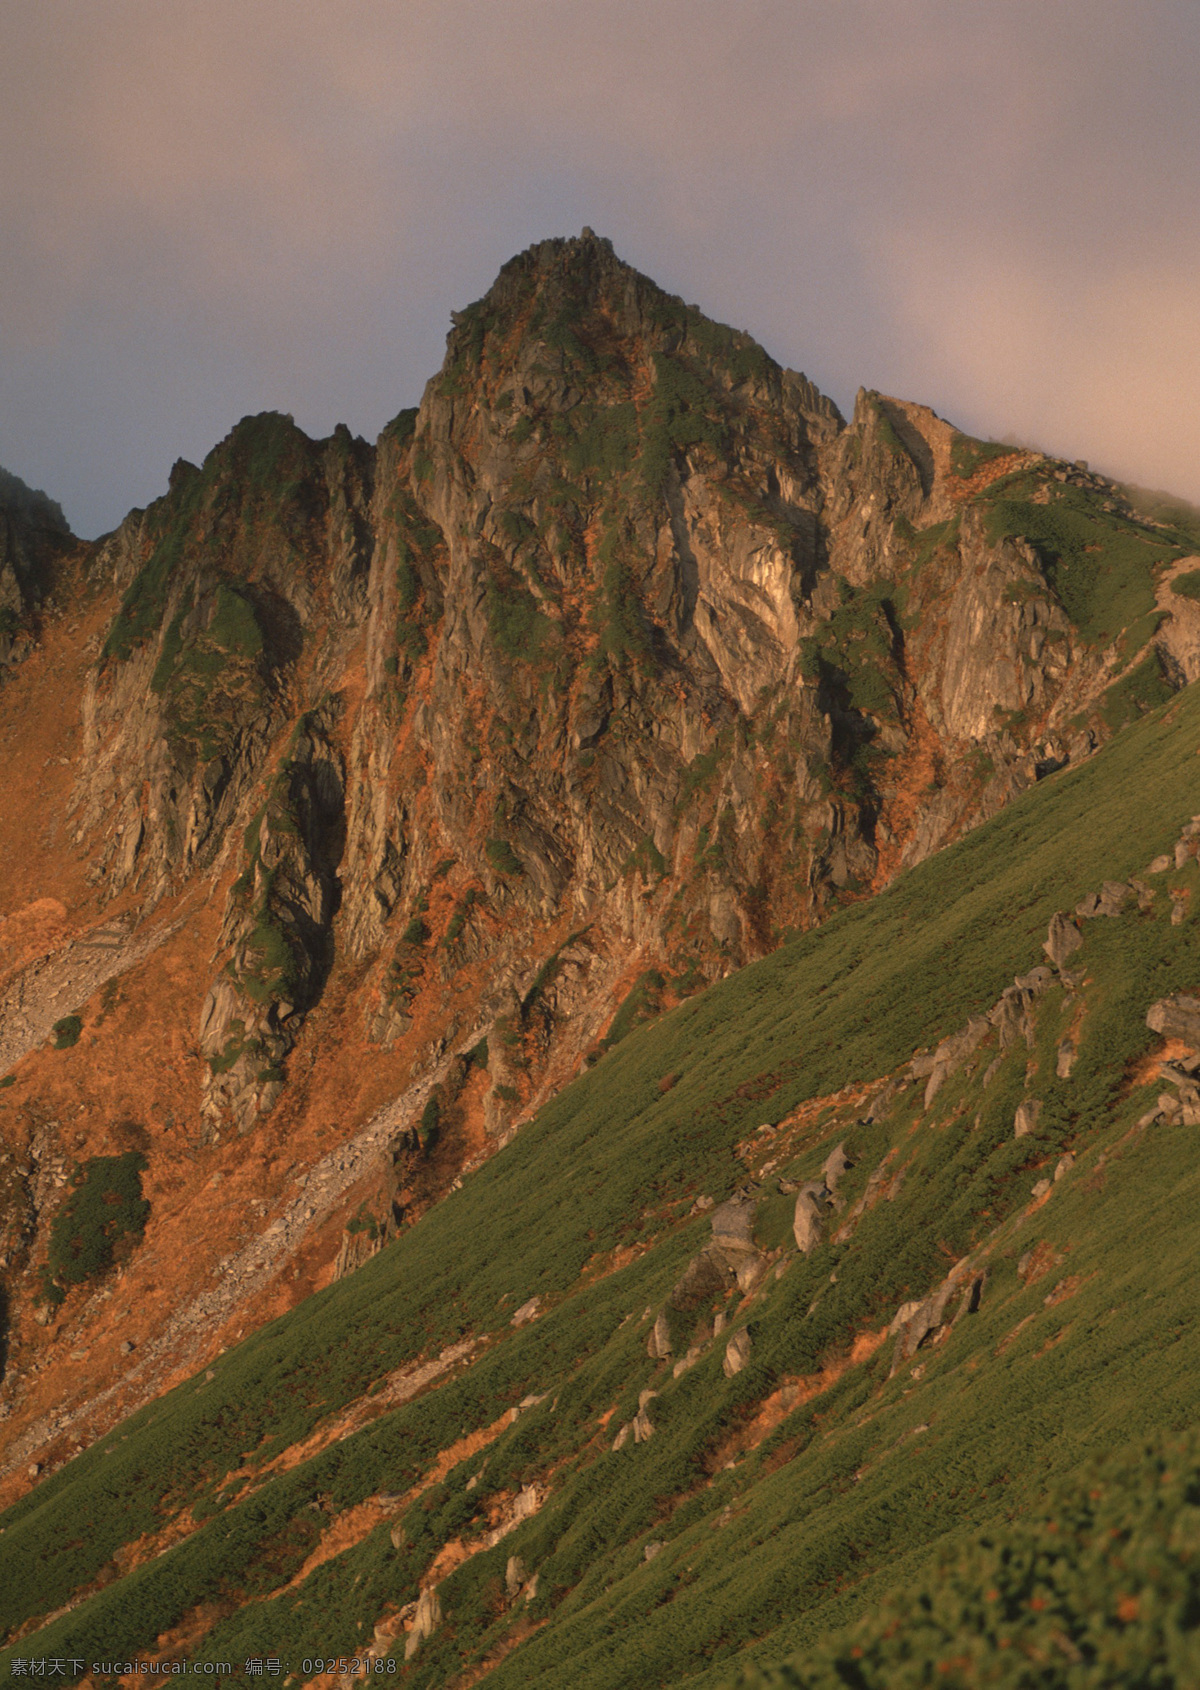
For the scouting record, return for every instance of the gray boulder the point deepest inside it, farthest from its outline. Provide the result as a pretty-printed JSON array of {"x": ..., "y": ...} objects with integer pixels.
[
  {"x": 1178, "y": 1076},
  {"x": 1186, "y": 1107},
  {"x": 425, "y": 1621},
  {"x": 916, "y": 1323},
  {"x": 1113, "y": 894},
  {"x": 1065, "y": 1060},
  {"x": 658, "y": 1347},
  {"x": 902, "y": 1316},
  {"x": 880, "y": 1106},
  {"x": 737, "y": 1353},
  {"x": 885, "y": 1181},
  {"x": 1026, "y": 1118},
  {"x": 730, "y": 1258},
  {"x": 806, "y": 1222},
  {"x": 1176, "y": 1017},
  {"x": 922, "y": 1064},
  {"x": 1064, "y": 939},
  {"x": 972, "y": 1297},
  {"x": 733, "y": 1239},
  {"x": 640, "y": 1425},
  {"x": 750, "y": 1271},
  {"x": 733, "y": 1224}
]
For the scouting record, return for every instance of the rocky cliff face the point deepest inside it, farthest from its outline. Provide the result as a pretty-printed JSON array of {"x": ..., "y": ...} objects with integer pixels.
[
  {"x": 34, "y": 542},
  {"x": 618, "y": 660}
]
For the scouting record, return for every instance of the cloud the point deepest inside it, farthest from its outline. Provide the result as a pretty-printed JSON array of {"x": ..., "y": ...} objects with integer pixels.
[
  {"x": 1099, "y": 363},
  {"x": 213, "y": 207}
]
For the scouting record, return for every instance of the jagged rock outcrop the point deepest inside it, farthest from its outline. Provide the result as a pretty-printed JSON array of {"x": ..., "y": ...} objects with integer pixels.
[
  {"x": 277, "y": 926},
  {"x": 1064, "y": 939},
  {"x": 623, "y": 589},
  {"x": 834, "y": 1166},
  {"x": 248, "y": 566},
  {"x": 1177, "y": 640},
  {"x": 357, "y": 1247},
  {"x": 425, "y": 1621},
  {"x": 952, "y": 1053},
  {"x": 731, "y": 1259},
  {"x": 917, "y": 1323}
]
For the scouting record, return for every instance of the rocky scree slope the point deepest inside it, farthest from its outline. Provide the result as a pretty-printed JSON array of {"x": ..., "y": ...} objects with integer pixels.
[
  {"x": 826, "y": 1279},
  {"x": 438, "y": 765}
]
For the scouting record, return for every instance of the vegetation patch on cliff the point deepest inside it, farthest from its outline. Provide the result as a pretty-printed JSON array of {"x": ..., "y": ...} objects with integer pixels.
[
  {"x": 1099, "y": 562},
  {"x": 683, "y": 412},
  {"x": 854, "y": 658},
  {"x": 104, "y": 1215},
  {"x": 171, "y": 522},
  {"x": 518, "y": 626},
  {"x": 968, "y": 454},
  {"x": 67, "y": 1032}
]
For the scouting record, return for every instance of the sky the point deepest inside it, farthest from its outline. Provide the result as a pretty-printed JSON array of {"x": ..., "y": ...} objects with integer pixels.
[{"x": 215, "y": 207}]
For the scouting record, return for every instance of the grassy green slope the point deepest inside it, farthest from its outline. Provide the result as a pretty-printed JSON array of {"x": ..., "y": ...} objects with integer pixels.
[
  {"x": 1099, "y": 1587},
  {"x": 841, "y": 1501}
]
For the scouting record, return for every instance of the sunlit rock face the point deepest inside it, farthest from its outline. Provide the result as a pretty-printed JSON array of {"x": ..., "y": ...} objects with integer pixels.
[{"x": 620, "y": 658}]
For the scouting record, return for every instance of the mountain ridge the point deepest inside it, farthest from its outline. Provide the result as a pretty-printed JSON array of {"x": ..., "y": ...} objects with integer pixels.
[{"x": 364, "y": 797}]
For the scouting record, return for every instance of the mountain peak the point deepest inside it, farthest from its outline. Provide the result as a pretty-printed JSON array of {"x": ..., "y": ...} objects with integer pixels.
[
  {"x": 570, "y": 320},
  {"x": 363, "y": 798},
  {"x": 574, "y": 274}
]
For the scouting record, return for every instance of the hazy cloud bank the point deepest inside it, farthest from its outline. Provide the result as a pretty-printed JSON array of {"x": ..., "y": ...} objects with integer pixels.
[{"x": 213, "y": 208}]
